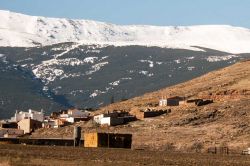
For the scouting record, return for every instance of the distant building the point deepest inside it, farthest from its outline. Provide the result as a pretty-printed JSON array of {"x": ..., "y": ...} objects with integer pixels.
[
  {"x": 74, "y": 115},
  {"x": 7, "y": 124},
  {"x": 111, "y": 121},
  {"x": 10, "y": 133},
  {"x": 172, "y": 101},
  {"x": 141, "y": 114},
  {"x": 108, "y": 140},
  {"x": 29, "y": 125},
  {"x": 55, "y": 123},
  {"x": 31, "y": 114},
  {"x": 113, "y": 118}
]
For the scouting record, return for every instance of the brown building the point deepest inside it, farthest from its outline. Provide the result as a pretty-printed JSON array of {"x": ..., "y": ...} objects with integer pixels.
[
  {"x": 108, "y": 140},
  {"x": 171, "y": 101},
  {"x": 29, "y": 125},
  {"x": 9, "y": 125},
  {"x": 140, "y": 114}
]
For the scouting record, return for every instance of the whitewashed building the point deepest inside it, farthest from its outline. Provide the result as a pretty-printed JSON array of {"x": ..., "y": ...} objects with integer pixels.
[
  {"x": 31, "y": 114},
  {"x": 110, "y": 119},
  {"x": 163, "y": 102},
  {"x": 98, "y": 118},
  {"x": 74, "y": 115}
]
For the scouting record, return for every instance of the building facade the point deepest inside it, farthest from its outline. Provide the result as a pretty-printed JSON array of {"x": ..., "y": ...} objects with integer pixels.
[
  {"x": 31, "y": 114},
  {"x": 29, "y": 125}
]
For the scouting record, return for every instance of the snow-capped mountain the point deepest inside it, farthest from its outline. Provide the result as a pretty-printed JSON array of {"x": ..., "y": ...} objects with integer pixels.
[
  {"x": 18, "y": 30},
  {"x": 63, "y": 63}
]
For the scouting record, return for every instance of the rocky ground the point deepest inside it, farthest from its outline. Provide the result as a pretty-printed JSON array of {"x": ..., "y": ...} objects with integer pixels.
[{"x": 225, "y": 122}]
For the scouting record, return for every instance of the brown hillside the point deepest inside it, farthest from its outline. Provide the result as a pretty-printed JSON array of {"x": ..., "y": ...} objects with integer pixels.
[
  {"x": 231, "y": 83},
  {"x": 226, "y": 122}
]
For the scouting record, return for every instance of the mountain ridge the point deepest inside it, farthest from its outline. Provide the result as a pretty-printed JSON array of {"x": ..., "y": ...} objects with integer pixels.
[{"x": 19, "y": 30}]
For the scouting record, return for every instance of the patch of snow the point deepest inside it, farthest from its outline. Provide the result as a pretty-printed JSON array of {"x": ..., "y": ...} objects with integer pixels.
[
  {"x": 71, "y": 75},
  {"x": 96, "y": 93},
  {"x": 190, "y": 68},
  {"x": 96, "y": 67},
  {"x": 44, "y": 53},
  {"x": 45, "y": 88},
  {"x": 47, "y": 74},
  {"x": 25, "y": 65},
  {"x": 93, "y": 51},
  {"x": 66, "y": 62},
  {"x": 220, "y": 58},
  {"x": 130, "y": 71},
  {"x": 75, "y": 92},
  {"x": 115, "y": 83},
  {"x": 28, "y": 59},
  {"x": 146, "y": 73},
  {"x": 68, "y": 49},
  {"x": 177, "y": 61},
  {"x": 104, "y": 57},
  {"x": 190, "y": 58},
  {"x": 4, "y": 59},
  {"x": 159, "y": 63},
  {"x": 127, "y": 78},
  {"x": 90, "y": 59},
  {"x": 151, "y": 63}
]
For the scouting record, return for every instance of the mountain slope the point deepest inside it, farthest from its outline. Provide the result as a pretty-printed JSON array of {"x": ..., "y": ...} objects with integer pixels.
[
  {"x": 226, "y": 122},
  {"x": 89, "y": 75},
  {"x": 18, "y": 30},
  {"x": 20, "y": 90},
  {"x": 232, "y": 81}
]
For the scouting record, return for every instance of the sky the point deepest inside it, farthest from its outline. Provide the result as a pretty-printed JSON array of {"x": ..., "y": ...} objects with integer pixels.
[{"x": 149, "y": 12}]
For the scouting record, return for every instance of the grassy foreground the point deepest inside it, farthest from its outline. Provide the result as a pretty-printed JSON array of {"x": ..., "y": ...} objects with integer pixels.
[{"x": 42, "y": 155}]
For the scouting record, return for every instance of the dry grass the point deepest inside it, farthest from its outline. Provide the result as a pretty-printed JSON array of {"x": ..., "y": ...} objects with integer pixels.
[{"x": 34, "y": 155}]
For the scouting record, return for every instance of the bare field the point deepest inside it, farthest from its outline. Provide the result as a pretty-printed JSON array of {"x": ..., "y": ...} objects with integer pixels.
[{"x": 42, "y": 155}]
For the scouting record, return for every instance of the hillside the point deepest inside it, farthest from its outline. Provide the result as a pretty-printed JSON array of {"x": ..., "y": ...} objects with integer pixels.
[
  {"x": 21, "y": 91},
  {"x": 83, "y": 63},
  {"x": 226, "y": 122},
  {"x": 18, "y": 30}
]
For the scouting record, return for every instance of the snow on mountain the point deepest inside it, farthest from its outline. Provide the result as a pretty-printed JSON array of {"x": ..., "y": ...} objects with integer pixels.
[{"x": 28, "y": 31}]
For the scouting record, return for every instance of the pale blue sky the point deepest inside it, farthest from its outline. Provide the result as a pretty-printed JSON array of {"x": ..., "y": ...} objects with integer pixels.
[{"x": 154, "y": 12}]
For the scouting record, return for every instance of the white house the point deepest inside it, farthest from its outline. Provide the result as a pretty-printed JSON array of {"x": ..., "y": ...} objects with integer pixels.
[
  {"x": 31, "y": 114},
  {"x": 110, "y": 119},
  {"x": 98, "y": 118},
  {"x": 163, "y": 102}
]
